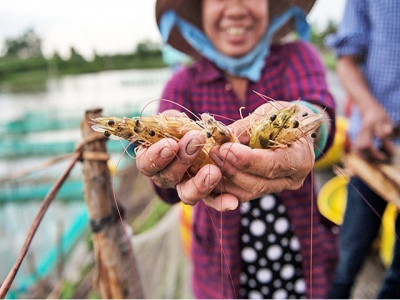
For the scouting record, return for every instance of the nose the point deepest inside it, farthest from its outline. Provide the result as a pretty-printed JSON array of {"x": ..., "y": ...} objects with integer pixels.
[{"x": 235, "y": 8}]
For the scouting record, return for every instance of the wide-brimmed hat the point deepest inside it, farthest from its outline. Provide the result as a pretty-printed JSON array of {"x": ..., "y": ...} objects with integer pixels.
[{"x": 190, "y": 10}]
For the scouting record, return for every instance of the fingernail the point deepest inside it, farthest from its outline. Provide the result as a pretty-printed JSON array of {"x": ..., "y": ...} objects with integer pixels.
[
  {"x": 226, "y": 153},
  {"x": 166, "y": 152},
  {"x": 210, "y": 182},
  {"x": 192, "y": 146}
]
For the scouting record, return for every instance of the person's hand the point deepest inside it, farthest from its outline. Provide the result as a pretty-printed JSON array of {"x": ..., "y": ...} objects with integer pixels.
[
  {"x": 375, "y": 124},
  {"x": 248, "y": 173},
  {"x": 170, "y": 165},
  {"x": 252, "y": 173}
]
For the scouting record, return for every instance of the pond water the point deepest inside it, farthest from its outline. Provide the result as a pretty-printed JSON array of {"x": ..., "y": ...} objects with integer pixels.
[{"x": 118, "y": 93}]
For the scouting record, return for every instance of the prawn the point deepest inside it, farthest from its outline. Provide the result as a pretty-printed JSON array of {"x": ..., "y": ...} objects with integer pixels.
[
  {"x": 277, "y": 129},
  {"x": 148, "y": 130}
]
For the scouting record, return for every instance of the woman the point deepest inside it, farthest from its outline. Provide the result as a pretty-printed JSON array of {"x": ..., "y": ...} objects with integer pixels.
[{"x": 231, "y": 41}]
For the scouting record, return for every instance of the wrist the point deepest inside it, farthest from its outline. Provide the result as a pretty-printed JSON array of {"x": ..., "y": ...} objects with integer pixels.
[{"x": 322, "y": 132}]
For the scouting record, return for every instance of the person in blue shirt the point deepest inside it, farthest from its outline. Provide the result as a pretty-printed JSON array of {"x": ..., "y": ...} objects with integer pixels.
[{"x": 367, "y": 46}]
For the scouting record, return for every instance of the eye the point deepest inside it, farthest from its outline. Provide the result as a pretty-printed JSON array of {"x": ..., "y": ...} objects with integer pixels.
[
  {"x": 305, "y": 114},
  {"x": 272, "y": 117},
  {"x": 152, "y": 133},
  {"x": 106, "y": 133},
  {"x": 296, "y": 124},
  {"x": 314, "y": 135},
  {"x": 111, "y": 122}
]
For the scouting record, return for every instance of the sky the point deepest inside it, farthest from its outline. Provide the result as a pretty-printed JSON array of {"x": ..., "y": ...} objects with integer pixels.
[{"x": 109, "y": 26}]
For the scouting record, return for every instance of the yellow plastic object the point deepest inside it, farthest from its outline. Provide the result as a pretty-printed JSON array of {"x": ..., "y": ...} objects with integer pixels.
[
  {"x": 331, "y": 199},
  {"x": 336, "y": 153},
  {"x": 388, "y": 234},
  {"x": 331, "y": 203},
  {"x": 186, "y": 227}
]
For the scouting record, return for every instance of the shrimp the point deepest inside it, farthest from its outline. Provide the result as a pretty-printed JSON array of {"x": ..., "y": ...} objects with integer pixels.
[
  {"x": 280, "y": 128},
  {"x": 217, "y": 131},
  {"x": 148, "y": 130}
]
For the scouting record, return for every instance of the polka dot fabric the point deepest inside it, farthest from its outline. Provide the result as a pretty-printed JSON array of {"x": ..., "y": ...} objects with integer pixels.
[{"x": 271, "y": 261}]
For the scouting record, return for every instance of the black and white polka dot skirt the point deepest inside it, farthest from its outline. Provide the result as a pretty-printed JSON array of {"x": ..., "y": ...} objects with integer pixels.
[{"x": 271, "y": 261}]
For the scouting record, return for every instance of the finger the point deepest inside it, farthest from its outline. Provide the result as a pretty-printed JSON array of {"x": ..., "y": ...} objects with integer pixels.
[
  {"x": 248, "y": 187},
  {"x": 240, "y": 130},
  {"x": 189, "y": 148},
  {"x": 151, "y": 160},
  {"x": 280, "y": 162},
  {"x": 384, "y": 130},
  {"x": 222, "y": 202},
  {"x": 200, "y": 186}
]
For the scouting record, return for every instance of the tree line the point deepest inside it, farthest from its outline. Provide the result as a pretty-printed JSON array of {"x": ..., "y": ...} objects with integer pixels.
[{"x": 23, "y": 54}]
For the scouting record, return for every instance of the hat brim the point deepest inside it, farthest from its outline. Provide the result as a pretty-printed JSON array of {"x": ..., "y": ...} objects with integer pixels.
[{"x": 191, "y": 9}]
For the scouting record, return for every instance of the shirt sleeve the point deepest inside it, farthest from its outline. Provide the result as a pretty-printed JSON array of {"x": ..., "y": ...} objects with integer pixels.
[
  {"x": 176, "y": 94},
  {"x": 353, "y": 35}
]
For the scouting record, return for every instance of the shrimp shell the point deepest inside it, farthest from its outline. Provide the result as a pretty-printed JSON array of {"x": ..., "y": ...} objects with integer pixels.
[
  {"x": 148, "y": 130},
  {"x": 281, "y": 128},
  {"x": 278, "y": 129}
]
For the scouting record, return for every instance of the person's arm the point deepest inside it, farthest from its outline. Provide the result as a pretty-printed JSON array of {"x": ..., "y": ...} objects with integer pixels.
[{"x": 375, "y": 120}]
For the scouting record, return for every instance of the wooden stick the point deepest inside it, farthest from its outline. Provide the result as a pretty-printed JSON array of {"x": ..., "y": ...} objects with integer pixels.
[
  {"x": 35, "y": 224},
  {"x": 117, "y": 274},
  {"x": 382, "y": 178}
]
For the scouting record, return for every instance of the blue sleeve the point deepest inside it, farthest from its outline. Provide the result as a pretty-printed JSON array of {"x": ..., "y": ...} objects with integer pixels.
[{"x": 352, "y": 37}]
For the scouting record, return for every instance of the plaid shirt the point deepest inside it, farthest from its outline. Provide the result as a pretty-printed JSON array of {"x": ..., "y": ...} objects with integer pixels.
[
  {"x": 292, "y": 71},
  {"x": 370, "y": 29}
]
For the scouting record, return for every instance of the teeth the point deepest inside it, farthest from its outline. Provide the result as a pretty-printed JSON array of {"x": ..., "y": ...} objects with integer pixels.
[{"x": 235, "y": 31}]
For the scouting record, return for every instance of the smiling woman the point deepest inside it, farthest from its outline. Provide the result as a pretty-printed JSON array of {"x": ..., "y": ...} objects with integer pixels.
[{"x": 237, "y": 52}]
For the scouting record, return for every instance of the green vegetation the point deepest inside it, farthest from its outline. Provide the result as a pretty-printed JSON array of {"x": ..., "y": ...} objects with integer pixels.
[{"x": 23, "y": 65}]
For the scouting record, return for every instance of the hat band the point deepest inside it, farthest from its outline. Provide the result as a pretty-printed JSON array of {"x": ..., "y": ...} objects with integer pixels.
[{"x": 249, "y": 65}]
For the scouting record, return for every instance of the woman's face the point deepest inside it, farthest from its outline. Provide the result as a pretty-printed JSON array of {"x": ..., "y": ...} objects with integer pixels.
[{"x": 235, "y": 26}]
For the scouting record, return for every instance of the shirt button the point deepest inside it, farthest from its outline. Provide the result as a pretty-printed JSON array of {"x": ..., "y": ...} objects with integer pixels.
[{"x": 228, "y": 87}]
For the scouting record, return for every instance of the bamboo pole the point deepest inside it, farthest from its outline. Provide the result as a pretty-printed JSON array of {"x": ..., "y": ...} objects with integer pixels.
[
  {"x": 117, "y": 275},
  {"x": 35, "y": 224}
]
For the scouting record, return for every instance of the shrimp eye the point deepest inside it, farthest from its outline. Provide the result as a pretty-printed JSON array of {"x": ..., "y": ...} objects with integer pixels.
[
  {"x": 137, "y": 123},
  {"x": 152, "y": 133},
  {"x": 208, "y": 135},
  {"x": 305, "y": 114},
  {"x": 111, "y": 122},
  {"x": 272, "y": 117},
  {"x": 314, "y": 135},
  {"x": 296, "y": 124},
  {"x": 136, "y": 129},
  {"x": 106, "y": 133}
]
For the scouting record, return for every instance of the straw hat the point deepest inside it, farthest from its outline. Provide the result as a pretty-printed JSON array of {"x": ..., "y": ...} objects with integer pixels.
[{"x": 190, "y": 10}]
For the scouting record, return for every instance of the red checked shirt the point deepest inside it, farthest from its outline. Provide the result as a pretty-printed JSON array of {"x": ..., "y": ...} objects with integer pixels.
[{"x": 292, "y": 71}]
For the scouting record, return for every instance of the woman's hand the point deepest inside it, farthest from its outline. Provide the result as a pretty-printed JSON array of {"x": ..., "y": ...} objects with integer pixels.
[
  {"x": 170, "y": 165},
  {"x": 252, "y": 173},
  {"x": 240, "y": 173}
]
